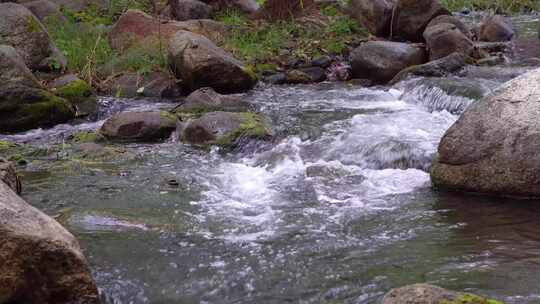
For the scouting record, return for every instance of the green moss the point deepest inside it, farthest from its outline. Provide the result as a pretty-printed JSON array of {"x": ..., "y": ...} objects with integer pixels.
[
  {"x": 33, "y": 24},
  {"x": 41, "y": 109},
  {"x": 4, "y": 145},
  {"x": 75, "y": 90},
  {"x": 253, "y": 127},
  {"x": 468, "y": 298},
  {"x": 168, "y": 116},
  {"x": 250, "y": 70},
  {"x": 86, "y": 137}
]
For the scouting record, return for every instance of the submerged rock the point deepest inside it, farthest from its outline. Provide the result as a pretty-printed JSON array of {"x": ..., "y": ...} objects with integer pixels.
[
  {"x": 493, "y": 147},
  {"x": 224, "y": 129},
  {"x": 496, "y": 29},
  {"x": 40, "y": 261},
  {"x": 207, "y": 100},
  {"x": 24, "y": 103},
  {"x": 22, "y": 30},
  {"x": 139, "y": 126},
  {"x": 77, "y": 92},
  {"x": 429, "y": 294},
  {"x": 376, "y": 16},
  {"x": 411, "y": 18},
  {"x": 200, "y": 63},
  {"x": 380, "y": 61}
]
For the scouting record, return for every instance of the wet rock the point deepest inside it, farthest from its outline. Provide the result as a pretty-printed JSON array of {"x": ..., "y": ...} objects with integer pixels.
[
  {"x": 40, "y": 261},
  {"x": 437, "y": 68},
  {"x": 139, "y": 126},
  {"x": 492, "y": 60},
  {"x": 444, "y": 39},
  {"x": 44, "y": 9},
  {"x": 77, "y": 92},
  {"x": 493, "y": 47},
  {"x": 429, "y": 294},
  {"x": 8, "y": 175},
  {"x": 224, "y": 129},
  {"x": 496, "y": 29},
  {"x": 380, "y": 61},
  {"x": 207, "y": 100},
  {"x": 278, "y": 78},
  {"x": 22, "y": 30},
  {"x": 200, "y": 63},
  {"x": 24, "y": 103},
  {"x": 493, "y": 146},
  {"x": 305, "y": 75},
  {"x": 155, "y": 84},
  {"x": 411, "y": 18},
  {"x": 182, "y": 10},
  {"x": 462, "y": 27},
  {"x": 323, "y": 62},
  {"x": 376, "y": 16},
  {"x": 137, "y": 28}
]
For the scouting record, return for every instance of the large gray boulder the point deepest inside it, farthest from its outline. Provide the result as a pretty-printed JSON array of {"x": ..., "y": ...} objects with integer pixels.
[
  {"x": 376, "y": 16},
  {"x": 443, "y": 39},
  {"x": 22, "y": 30},
  {"x": 493, "y": 147},
  {"x": 200, "y": 63},
  {"x": 182, "y": 10},
  {"x": 411, "y": 18},
  {"x": 24, "y": 103},
  {"x": 380, "y": 61},
  {"x": 496, "y": 29},
  {"x": 40, "y": 261},
  {"x": 139, "y": 126},
  {"x": 429, "y": 294}
]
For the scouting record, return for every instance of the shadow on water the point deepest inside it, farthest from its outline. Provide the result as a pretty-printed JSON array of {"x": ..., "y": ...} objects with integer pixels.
[{"x": 500, "y": 244}]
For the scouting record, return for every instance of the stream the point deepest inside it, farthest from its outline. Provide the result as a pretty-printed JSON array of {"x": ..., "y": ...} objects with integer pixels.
[{"x": 338, "y": 209}]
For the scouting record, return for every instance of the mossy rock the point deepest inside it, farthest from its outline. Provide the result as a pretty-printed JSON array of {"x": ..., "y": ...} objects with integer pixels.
[
  {"x": 30, "y": 108},
  {"x": 225, "y": 129},
  {"x": 78, "y": 92}
]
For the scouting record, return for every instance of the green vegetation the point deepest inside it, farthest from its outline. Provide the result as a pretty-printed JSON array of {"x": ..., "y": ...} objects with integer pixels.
[
  {"x": 468, "y": 298},
  {"x": 259, "y": 42},
  {"x": 83, "y": 40},
  {"x": 501, "y": 6}
]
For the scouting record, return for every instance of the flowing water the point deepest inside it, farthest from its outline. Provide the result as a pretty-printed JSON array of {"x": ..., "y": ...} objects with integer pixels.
[{"x": 338, "y": 209}]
